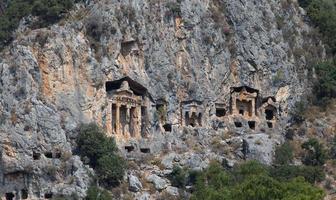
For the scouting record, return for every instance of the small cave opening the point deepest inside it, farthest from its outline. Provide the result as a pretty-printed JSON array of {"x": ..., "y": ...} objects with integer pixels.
[
  {"x": 269, "y": 114},
  {"x": 127, "y": 47},
  {"x": 129, "y": 148},
  {"x": 9, "y": 196},
  {"x": 241, "y": 112},
  {"x": 252, "y": 124},
  {"x": 167, "y": 127},
  {"x": 48, "y": 154},
  {"x": 220, "y": 112},
  {"x": 36, "y": 156},
  {"x": 24, "y": 194},
  {"x": 48, "y": 195},
  {"x": 270, "y": 124},
  {"x": 145, "y": 150},
  {"x": 238, "y": 124}
]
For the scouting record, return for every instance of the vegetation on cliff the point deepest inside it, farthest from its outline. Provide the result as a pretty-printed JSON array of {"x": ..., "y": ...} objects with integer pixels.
[
  {"x": 251, "y": 181},
  {"x": 323, "y": 14},
  {"x": 100, "y": 152},
  {"x": 48, "y": 12}
]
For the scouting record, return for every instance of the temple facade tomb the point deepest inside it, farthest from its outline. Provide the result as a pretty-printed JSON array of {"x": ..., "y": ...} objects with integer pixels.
[
  {"x": 192, "y": 113},
  {"x": 128, "y": 103},
  {"x": 269, "y": 111},
  {"x": 244, "y": 101}
]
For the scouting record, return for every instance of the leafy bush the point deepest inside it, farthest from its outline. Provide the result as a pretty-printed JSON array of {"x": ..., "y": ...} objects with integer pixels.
[
  {"x": 298, "y": 112},
  {"x": 283, "y": 154},
  {"x": 251, "y": 181},
  {"x": 178, "y": 177},
  {"x": 332, "y": 152},
  {"x": 111, "y": 169},
  {"x": 101, "y": 152},
  {"x": 315, "y": 154},
  {"x": 323, "y": 14},
  {"x": 95, "y": 193},
  {"x": 311, "y": 174},
  {"x": 93, "y": 143},
  {"x": 325, "y": 86}
]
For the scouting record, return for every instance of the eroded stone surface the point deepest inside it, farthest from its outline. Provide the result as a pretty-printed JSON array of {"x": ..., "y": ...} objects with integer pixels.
[{"x": 53, "y": 79}]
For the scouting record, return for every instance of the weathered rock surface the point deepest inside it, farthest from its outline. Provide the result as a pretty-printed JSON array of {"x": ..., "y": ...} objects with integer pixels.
[
  {"x": 158, "y": 182},
  {"x": 53, "y": 79},
  {"x": 134, "y": 183}
]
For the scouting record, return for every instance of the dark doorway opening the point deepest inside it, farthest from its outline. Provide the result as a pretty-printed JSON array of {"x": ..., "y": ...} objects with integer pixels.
[
  {"x": 36, "y": 156},
  {"x": 48, "y": 195},
  {"x": 252, "y": 124},
  {"x": 24, "y": 194},
  {"x": 220, "y": 112},
  {"x": 269, "y": 114},
  {"x": 145, "y": 150},
  {"x": 238, "y": 124},
  {"x": 270, "y": 124},
  {"x": 129, "y": 148},
  {"x": 167, "y": 127},
  {"x": 10, "y": 196},
  {"x": 48, "y": 154}
]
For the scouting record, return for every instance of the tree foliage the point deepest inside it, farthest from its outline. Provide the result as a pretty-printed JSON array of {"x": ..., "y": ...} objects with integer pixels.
[
  {"x": 323, "y": 14},
  {"x": 315, "y": 153},
  {"x": 100, "y": 152},
  {"x": 251, "y": 181},
  {"x": 95, "y": 193},
  {"x": 48, "y": 11},
  {"x": 325, "y": 87}
]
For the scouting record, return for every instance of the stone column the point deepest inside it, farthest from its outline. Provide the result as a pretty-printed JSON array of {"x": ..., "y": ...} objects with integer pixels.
[
  {"x": 109, "y": 128},
  {"x": 137, "y": 126},
  {"x": 253, "y": 108},
  {"x": 117, "y": 119},
  {"x": 233, "y": 105},
  {"x": 128, "y": 120}
]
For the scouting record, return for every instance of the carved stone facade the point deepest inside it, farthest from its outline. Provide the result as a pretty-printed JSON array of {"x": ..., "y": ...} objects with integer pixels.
[
  {"x": 192, "y": 113},
  {"x": 243, "y": 101},
  {"x": 127, "y": 115}
]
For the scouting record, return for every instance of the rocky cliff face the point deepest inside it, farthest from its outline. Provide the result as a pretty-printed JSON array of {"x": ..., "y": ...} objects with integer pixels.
[{"x": 53, "y": 79}]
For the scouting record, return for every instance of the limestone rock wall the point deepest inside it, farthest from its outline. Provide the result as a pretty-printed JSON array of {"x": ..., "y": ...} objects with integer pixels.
[{"x": 53, "y": 79}]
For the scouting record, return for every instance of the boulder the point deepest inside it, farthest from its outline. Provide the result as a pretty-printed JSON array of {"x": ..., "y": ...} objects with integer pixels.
[
  {"x": 159, "y": 183},
  {"x": 134, "y": 183}
]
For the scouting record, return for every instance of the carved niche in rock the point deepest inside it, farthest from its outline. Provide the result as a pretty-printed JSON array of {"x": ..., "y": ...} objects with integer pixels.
[{"x": 191, "y": 113}]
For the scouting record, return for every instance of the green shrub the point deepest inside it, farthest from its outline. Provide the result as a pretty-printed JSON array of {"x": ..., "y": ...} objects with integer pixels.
[
  {"x": 101, "y": 152},
  {"x": 95, "y": 193},
  {"x": 254, "y": 183},
  {"x": 93, "y": 143},
  {"x": 283, "y": 154},
  {"x": 249, "y": 168},
  {"x": 178, "y": 177},
  {"x": 325, "y": 86},
  {"x": 311, "y": 174},
  {"x": 333, "y": 148},
  {"x": 111, "y": 169},
  {"x": 298, "y": 112},
  {"x": 315, "y": 154},
  {"x": 323, "y": 14}
]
